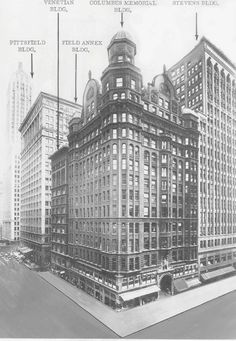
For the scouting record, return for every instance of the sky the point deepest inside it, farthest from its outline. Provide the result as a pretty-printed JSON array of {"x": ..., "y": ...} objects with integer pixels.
[{"x": 163, "y": 33}]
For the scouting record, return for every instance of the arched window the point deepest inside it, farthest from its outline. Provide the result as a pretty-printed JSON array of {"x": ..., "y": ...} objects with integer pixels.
[
  {"x": 115, "y": 96},
  {"x": 136, "y": 151},
  {"x": 216, "y": 74},
  {"x": 124, "y": 149},
  {"x": 180, "y": 164},
  {"x": 209, "y": 65},
  {"x": 131, "y": 150},
  {"x": 222, "y": 78}
]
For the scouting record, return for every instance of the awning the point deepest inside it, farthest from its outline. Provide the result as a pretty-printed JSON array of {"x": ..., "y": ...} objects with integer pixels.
[
  {"x": 217, "y": 273},
  {"x": 180, "y": 284},
  {"x": 192, "y": 282},
  {"x": 130, "y": 295},
  {"x": 25, "y": 250}
]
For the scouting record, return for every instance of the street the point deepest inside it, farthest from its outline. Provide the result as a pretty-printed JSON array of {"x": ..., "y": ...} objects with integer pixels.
[
  {"x": 32, "y": 308},
  {"x": 213, "y": 320}
]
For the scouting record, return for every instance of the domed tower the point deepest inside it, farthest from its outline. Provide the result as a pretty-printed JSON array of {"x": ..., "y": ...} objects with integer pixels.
[
  {"x": 121, "y": 48},
  {"x": 121, "y": 80}
]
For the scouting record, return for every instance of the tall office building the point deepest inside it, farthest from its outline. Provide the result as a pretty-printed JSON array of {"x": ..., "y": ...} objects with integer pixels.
[
  {"x": 205, "y": 81},
  {"x": 38, "y": 131},
  {"x": 18, "y": 103},
  {"x": 60, "y": 259},
  {"x": 132, "y": 187}
]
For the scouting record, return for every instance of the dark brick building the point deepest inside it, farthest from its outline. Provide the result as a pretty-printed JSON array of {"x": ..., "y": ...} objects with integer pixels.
[{"x": 132, "y": 186}]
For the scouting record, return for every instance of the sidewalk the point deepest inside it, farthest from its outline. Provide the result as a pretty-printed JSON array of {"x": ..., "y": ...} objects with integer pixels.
[{"x": 130, "y": 321}]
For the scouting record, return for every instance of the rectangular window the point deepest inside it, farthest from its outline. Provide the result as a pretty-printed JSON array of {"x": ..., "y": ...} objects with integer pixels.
[
  {"x": 124, "y": 181},
  {"x": 119, "y": 82},
  {"x": 123, "y": 164},
  {"x": 164, "y": 158},
  {"x": 133, "y": 84},
  {"x": 131, "y": 180},
  {"x": 123, "y": 117},
  {"x": 114, "y": 118},
  {"x": 167, "y": 105},
  {"x": 161, "y": 102},
  {"x": 164, "y": 199},
  {"x": 114, "y": 164},
  {"x": 146, "y": 170},
  {"x": 114, "y": 134},
  {"x": 114, "y": 180},
  {"x": 164, "y": 172},
  {"x": 154, "y": 171},
  {"x": 146, "y": 211}
]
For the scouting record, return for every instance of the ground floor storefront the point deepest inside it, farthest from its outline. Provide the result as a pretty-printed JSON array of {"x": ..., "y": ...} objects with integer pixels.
[
  {"x": 128, "y": 294},
  {"x": 124, "y": 291},
  {"x": 108, "y": 296}
]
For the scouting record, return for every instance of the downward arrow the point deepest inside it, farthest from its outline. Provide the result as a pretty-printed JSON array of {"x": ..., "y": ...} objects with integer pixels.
[
  {"x": 32, "y": 66},
  {"x": 75, "y": 98},
  {"x": 196, "y": 35}
]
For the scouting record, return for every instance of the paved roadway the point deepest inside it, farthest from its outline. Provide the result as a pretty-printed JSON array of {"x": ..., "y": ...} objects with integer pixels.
[
  {"x": 32, "y": 308},
  {"x": 213, "y": 320}
]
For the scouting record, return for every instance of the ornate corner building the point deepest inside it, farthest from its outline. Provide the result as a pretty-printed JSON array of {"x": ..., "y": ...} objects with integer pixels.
[{"x": 132, "y": 187}]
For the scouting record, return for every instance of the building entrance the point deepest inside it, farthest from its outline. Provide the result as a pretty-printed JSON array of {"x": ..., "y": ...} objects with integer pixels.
[{"x": 166, "y": 284}]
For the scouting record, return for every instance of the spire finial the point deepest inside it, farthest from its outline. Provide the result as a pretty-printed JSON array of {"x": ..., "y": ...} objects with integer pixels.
[
  {"x": 122, "y": 20},
  {"x": 90, "y": 74},
  {"x": 164, "y": 68}
]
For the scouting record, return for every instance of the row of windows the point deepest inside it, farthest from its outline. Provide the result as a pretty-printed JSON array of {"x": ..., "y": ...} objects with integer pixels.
[
  {"x": 193, "y": 69},
  {"x": 217, "y": 258},
  {"x": 123, "y": 117},
  {"x": 119, "y": 83},
  {"x": 134, "y": 211},
  {"x": 195, "y": 79},
  {"x": 217, "y": 242},
  {"x": 123, "y": 95}
]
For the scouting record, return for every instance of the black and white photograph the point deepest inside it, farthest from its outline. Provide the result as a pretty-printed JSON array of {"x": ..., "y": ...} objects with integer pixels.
[{"x": 118, "y": 169}]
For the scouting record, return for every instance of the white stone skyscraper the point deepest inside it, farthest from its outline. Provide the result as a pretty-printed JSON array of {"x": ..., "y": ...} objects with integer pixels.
[
  {"x": 18, "y": 103},
  {"x": 205, "y": 81}
]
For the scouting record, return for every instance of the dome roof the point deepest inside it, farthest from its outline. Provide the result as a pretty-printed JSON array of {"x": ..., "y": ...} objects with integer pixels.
[
  {"x": 163, "y": 84},
  {"x": 121, "y": 35},
  {"x": 126, "y": 47},
  {"x": 159, "y": 80}
]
